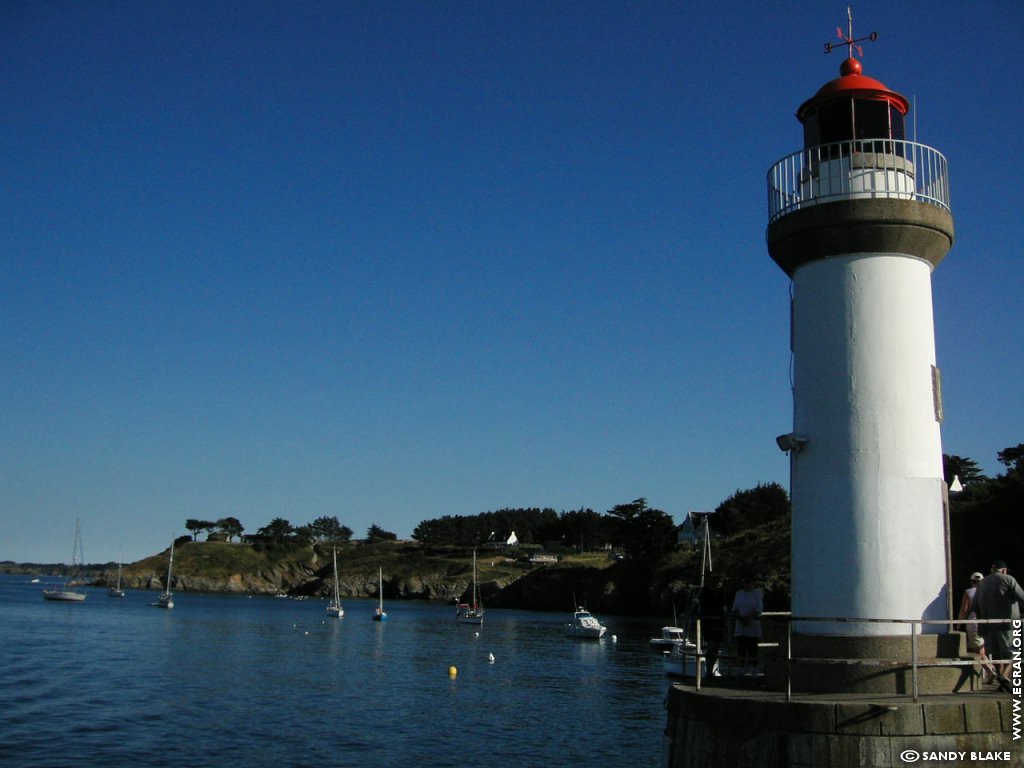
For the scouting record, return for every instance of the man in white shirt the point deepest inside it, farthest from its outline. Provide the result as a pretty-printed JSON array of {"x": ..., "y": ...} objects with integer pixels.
[{"x": 747, "y": 605}]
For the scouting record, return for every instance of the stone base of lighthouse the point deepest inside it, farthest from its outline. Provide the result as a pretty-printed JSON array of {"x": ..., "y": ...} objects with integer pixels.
[
  {"x": 877, "y": 664},
  {"x": 723, "y": 727},
  {"x": 851, "y": 703}
]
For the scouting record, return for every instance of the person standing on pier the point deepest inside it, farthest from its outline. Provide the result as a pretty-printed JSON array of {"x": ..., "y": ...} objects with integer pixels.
[
  {"x": 710, "y": 608},
  {"x": 975, "y": 640},
  {"x": 747, "y": 606},
  {"x": 997, "y": 594}
]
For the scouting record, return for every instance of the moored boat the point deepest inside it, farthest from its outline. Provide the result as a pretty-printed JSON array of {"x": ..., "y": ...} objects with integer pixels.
[
  {"x": 471, "y": 614},
  {"x": 669, "y": 638},
  {"x": 334, "y": 607},
  {"x": 166, "y": 600},
  {"x": 681, "y": 661},
  {"x": 116, "y": 591},
  {"x": 66, "y": 593},
  {"x": 584, "y": 625},
  {"x": 379, "y": 614}
]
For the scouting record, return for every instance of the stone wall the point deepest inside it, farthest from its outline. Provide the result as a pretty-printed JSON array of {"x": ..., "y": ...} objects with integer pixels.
[{"x": 725, "y": 728}]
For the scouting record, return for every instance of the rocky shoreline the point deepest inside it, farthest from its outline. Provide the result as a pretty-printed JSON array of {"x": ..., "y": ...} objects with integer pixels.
[{"x": 203, "y": 567}]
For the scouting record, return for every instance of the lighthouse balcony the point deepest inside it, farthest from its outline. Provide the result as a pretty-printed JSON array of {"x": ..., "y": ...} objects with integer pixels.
[{"x": 858, "y": 169}]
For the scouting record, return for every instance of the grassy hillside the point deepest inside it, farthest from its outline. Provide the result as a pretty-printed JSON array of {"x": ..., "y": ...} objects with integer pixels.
[
  {"x": 214, "y": 559},
  {"x": 506, "y": 578},
  {"x": 410, "y": 570}
]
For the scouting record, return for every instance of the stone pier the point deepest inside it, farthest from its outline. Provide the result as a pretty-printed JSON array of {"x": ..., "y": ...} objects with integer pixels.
[{"x": 727, "y": 727}]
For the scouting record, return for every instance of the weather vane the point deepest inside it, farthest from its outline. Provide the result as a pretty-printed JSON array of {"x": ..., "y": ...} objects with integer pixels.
[{"x": 847, "y": 37}]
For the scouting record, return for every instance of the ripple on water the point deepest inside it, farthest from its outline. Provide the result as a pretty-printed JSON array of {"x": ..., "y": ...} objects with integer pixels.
[{"x": 261, "y": 683}]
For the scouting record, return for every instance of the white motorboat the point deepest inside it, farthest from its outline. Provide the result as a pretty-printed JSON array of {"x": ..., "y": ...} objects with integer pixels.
[
  {"x": 67, "y": 593},
  {"x": 585, "y": 625},
  {"x": 669, "y": 639},
  {"x": 334, "y": 608}
]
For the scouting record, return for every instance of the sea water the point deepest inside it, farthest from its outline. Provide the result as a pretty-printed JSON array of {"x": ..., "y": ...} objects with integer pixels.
[{"x": 234, "y": 680}]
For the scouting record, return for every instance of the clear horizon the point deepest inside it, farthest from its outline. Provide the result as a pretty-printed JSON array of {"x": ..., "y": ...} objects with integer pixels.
[{"x": 394, "y": 262}]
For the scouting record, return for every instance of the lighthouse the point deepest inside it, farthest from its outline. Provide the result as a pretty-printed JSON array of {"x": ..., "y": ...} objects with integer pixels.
[{"x": 858, "y": 219}]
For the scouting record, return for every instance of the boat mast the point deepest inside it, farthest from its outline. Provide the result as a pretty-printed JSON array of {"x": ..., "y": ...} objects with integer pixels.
[
  {"x": 705, "y": 563},
  {"x": 76, "y": 548},
  {"x": 337, "y": 596},
  {"x": 76, "y": 551},
  {"x": 170, "y": 566},
  {"x": 76, "y": 555},
  {"x": 476, "y": 601}
]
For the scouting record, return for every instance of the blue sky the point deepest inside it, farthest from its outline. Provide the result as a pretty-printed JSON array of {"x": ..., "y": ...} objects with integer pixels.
[{"x": 391, "y": 261}]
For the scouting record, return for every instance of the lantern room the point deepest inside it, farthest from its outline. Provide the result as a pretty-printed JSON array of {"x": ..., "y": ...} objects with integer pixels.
[
  {"x": 853, "y": 107},
  {"x": 855, "y": 147}
]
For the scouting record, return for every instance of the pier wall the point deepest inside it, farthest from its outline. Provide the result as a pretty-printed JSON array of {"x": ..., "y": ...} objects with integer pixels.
[{"x": 727, "y": 728}]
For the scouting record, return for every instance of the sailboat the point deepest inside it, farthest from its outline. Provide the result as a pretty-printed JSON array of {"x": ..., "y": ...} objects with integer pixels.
[
  {"x": 66, "y": 593},
  {"x": 681, "y": 660},
  {"x": 379, "y": 614},
  {"x": 334, "y": 608},
  {"x": 166, "y": 600},
  {"x": 116, "y": 591},
  {"x": 464, "y": 614}
]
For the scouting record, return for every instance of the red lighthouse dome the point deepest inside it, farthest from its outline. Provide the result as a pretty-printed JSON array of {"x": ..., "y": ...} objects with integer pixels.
[{"x": 853, "y": 106}]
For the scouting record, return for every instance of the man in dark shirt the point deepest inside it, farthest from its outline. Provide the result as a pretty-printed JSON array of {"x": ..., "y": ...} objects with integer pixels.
[
  {"x": 710, "y": 607},
  {"x": 997, "y": 594}
]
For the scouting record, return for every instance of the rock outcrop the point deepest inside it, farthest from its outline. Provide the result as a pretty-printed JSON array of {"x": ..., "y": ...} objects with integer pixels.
[{"x": 409, "y": 574}]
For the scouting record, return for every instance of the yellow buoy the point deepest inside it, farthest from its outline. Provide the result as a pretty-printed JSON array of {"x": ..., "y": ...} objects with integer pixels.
[{"x": 452, "y": 671}]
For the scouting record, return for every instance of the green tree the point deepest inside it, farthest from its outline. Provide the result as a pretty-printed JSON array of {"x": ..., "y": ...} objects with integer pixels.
[
  {"x": 437, "y": 532},
  {"x": 1012, "y": 459},
  {"x": 644, "y": 533},
  {"x": 582, "y": 529},
  {"x": 985, "y": 520},
  {"x": 765, "y": 502},
  {"x": 376, "y": 533},
  {"x": 194, "y": 526},
  {"x": 964, "y": 468},
  {"x": 277, "y": 529},
  {"x": 531, "y": 525},
  {"x": 329, "y": 529},
  {"x": 231, "y": 526}
]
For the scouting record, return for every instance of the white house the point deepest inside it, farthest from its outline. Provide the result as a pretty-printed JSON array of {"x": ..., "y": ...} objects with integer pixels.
[{"x": 692, "y": 529}]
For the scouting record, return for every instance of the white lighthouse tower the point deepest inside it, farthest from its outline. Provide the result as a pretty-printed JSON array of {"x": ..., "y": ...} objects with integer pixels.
[{"x": 858, "y": 219}]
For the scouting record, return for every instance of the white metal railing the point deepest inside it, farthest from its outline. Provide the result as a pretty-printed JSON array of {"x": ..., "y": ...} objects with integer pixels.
[
  {"x": 915, "y": 663},
  {"x": 864, "y": 168}
]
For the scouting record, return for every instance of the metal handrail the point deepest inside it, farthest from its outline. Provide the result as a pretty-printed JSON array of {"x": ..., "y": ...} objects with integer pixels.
[
  {"x": 915, "y": 662},
  {"x": 862, "y": 168}
]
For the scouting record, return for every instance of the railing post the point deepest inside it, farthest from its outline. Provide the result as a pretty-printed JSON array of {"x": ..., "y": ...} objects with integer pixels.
[
  {"x": 913, "y": 656},
  {"x": 699, "y": 656},
  {"x": 819, "y": 173},
  {"x": 789, "y": 658}
]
